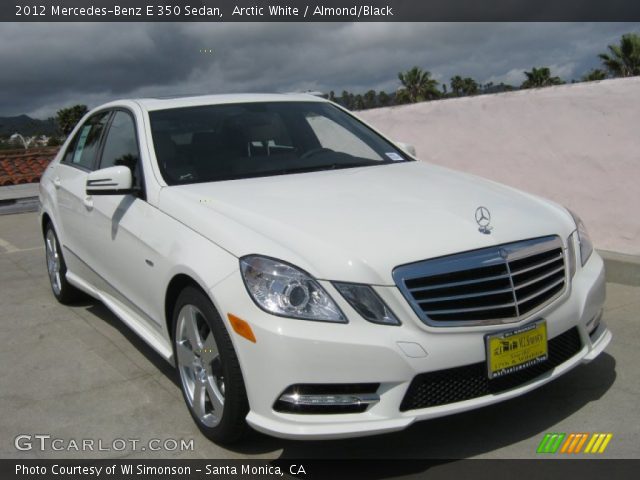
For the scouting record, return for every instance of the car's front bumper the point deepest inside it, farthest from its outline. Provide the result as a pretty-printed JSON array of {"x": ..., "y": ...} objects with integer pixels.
[{"x": 289, "y": 352}]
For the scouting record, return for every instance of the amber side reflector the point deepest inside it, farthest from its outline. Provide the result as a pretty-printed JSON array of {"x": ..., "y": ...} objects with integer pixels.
[{"x": 241, "y": 327}]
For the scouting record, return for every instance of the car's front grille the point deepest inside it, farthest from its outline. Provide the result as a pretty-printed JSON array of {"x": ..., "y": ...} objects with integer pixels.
[
  {"x": 471, "y": 381},
  {"x": 501, "y": 284}
]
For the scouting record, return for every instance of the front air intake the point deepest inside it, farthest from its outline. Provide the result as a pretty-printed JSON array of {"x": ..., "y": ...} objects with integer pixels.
[{"x": 452, "y": 385}]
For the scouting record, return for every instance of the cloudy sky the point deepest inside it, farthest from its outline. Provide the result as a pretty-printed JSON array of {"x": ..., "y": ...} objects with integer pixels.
[{"x": 48, "y": 66}]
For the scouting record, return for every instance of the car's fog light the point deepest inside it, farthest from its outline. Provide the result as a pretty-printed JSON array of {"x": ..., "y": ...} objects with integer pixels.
[{"x": 328, "y": 399}]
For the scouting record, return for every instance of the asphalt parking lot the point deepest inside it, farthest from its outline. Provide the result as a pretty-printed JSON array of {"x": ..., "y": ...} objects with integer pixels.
[{"x": 78, "y": 373}]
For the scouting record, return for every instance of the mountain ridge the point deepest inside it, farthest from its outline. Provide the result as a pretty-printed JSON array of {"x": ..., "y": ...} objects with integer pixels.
[{"x": 27, "y": 126}]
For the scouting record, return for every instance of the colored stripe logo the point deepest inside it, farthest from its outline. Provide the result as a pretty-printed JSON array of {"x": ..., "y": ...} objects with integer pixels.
[
  {"x": 574, "y": 443},
  {"x": 550, "y": 443},
  {"x": 598, "y": 443}
]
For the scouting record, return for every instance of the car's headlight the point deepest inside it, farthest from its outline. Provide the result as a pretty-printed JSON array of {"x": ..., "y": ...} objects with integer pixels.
[
  {"x": 586, "y": 245},
  {"x": 367, "y": 303},
  {"x": 282, "y": 289}
]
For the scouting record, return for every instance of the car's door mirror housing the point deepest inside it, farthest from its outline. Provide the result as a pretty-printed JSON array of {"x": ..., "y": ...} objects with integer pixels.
[
  {"x": 407, "y": 148},
  {"x": 116, "y": 180}
]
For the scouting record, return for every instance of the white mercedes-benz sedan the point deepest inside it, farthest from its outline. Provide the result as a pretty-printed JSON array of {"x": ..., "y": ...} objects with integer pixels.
[{"x": 308, "y": 276}]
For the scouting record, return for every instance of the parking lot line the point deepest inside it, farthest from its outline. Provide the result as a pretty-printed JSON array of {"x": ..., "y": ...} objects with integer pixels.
[
  {"x": 8, "y": 246},
  {"x": 11, "y": 248}
]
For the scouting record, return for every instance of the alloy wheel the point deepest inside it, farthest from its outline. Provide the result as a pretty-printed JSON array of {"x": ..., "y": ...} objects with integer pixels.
[
  {"x": 200, "y": 366},
  {"x": 53, "y": 262}
]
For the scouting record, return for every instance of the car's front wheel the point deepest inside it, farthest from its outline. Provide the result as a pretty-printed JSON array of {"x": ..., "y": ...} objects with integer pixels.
[{"x": 210, "y": 376}]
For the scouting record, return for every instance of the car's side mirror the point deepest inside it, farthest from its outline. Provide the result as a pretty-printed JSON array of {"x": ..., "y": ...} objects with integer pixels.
[
  {"x": 407, "y": 148},
  {"x": 116, "y": 180}
]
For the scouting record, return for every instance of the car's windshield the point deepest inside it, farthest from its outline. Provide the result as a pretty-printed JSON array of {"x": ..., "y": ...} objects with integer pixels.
[{"x": 242, "y": 140}]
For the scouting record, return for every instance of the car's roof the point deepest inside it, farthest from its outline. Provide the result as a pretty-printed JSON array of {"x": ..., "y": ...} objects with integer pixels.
[{"x": 161, "y": 103}]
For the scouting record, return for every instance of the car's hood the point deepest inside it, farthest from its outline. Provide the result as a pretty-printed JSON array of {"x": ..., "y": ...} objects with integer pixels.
[{"x": 358, "y": 224}]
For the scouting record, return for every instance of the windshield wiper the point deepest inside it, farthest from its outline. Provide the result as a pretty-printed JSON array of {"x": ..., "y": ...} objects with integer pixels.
[
  {"x": 319, "y": 168},
  {"x": 287, "y": 171}
]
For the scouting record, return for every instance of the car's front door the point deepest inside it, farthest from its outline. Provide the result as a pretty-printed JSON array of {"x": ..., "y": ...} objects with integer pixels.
[
  {"x": 125, "y": 244},
  {"x": 74, "y": 206}
]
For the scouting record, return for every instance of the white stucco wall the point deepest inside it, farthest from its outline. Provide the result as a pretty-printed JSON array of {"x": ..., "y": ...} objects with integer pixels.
[{"x": 576, "y": 144}]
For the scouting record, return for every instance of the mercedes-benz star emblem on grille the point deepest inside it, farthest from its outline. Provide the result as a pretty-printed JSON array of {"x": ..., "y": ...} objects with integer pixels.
[{"x": 483, "y": 218}]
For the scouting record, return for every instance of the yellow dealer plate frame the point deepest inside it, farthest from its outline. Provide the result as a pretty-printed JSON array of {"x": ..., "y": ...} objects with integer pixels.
[{"x": 514, "y": 350}]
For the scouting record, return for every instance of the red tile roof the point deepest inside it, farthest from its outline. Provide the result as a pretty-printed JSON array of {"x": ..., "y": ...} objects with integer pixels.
[{"x": 24, "y": 166}]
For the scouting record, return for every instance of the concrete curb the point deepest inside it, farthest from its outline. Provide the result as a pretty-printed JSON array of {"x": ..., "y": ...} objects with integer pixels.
[
  {"x": 14, "y": 192},
  {"x": 19, "y": 205},
  {"x": 21, "y": 198},
  {"x": 621, "y": 268}
]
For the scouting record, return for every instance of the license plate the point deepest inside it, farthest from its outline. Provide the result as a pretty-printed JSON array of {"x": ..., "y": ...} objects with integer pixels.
[{"x": 514, "y": 350}]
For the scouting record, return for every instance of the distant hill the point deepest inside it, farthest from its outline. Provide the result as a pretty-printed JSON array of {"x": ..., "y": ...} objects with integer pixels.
[{"x": 26, "y": 125}]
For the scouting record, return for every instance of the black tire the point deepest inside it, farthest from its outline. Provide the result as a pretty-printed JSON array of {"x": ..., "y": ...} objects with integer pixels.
[
  {"x": 232, "y": 425},
  {"x": 63, "y": 291}
]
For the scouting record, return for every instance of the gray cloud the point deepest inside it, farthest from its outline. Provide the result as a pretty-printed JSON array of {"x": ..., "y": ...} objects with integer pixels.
[{"x": 48, "y": 66}]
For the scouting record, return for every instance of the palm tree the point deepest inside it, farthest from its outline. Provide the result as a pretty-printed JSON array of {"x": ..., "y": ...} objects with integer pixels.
[
  {"x": 540, "y": 77},
  {"x": 67, "y": 118},
  {"x": 593, "y": 75},
  {"x": 417, "y": 85},
  {"x": 469, "y": 86},
  {"x": 488, "y": 87},
  {"x": 464, "y": 86},
  {"x": 456, "y": 85},
  {"x": 345, "y": 100},
  {"x": 352, "y": 101},
  {"x": 624, "y": 59},
  {"x": 402, "y": 96},
  {"x": 383, "y": 98},
  {"x": 370, "y": 99},
  {"x": 358, "y": 103}
]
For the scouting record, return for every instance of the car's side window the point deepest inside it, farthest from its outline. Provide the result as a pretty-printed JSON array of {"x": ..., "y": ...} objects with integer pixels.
[
  {"x": 83, "y": 149},
  {"x": 121, "y": 145}
]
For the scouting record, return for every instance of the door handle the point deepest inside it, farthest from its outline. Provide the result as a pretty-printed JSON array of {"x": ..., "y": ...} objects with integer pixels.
[
  {"x": 56, "y": 182},
  {"x": 88, "y": 202}
]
